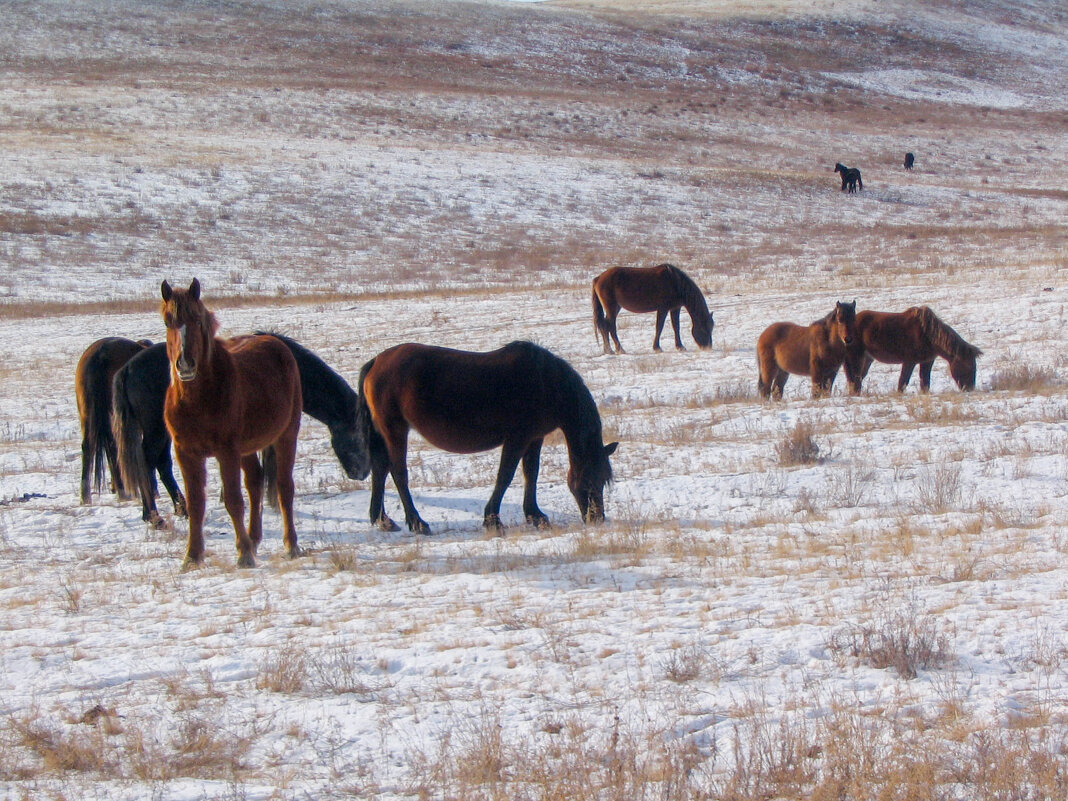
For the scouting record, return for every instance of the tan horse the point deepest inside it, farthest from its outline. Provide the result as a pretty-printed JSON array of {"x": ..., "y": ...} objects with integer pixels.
[
  {"x": 815, "y": 350},
  {"x": 229, "y": 399}
]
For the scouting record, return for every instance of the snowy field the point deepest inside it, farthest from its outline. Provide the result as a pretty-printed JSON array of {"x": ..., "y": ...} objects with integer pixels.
[{"x": 886, "y": 618}]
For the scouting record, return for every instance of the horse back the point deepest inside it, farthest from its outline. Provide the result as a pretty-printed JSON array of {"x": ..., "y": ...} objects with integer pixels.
[
  {"x": 640, "y": 289},
  {"x": 894, "y": 337},
  {"x": 788, "y": 346},
  {"x": 460, "y": 401}
]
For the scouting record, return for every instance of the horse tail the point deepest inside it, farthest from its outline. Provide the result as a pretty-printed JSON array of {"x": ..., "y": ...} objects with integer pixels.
[
  {"x": 129, "y": 439},
  {"x": 96, "y": 427},
  {"x": 600, "y": 322},
  {"x": 860, "y": 181},
  {"x": 376, "y": 445},
  {"x": 948, "y": 343}
]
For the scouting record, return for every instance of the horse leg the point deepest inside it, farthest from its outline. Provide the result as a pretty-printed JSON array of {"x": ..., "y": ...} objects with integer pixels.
[
  {"x": 778, "y": 383},
  {"x": 661, "y": 317},
  {"x": 379, "y": 471},
  {"x": 675, "y": 325},
  {"x": 510, "y": 455},
  {"x": 111, "y": 453},
  {"x": 230, "y": 473},
  {"x": 925, "y": 375},
  {"x": 531, "y": 464},
  {"x": 166, "y": 475},
  {"x": 253, "y": 471},
  {"x": 194, "y": 475},
  {"x": 397, "y": 443},
  {"x": 906, "y": 374},
  {"x": 612, "y": 314},
  {"x": 285, "y": 454}
]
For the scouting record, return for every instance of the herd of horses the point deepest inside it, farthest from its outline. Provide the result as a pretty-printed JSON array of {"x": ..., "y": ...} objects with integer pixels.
[{"x": 240, "y": 401}]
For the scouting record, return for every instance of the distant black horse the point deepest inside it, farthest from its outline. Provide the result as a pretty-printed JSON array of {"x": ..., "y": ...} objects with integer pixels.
[
  {"x": 850, "y": 177},
  {"x": 909, "y": 161},
  {"x": 145, "y": 446}
]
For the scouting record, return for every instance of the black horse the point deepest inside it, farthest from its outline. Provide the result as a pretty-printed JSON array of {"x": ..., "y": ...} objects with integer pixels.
[
  {"x": 850, "y": 177},
  {"x": 145, "y": 445},
  {"x": 909, "y": 161}
]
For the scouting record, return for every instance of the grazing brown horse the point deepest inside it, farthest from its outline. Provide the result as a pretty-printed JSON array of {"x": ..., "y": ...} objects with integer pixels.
[
  {"x": 664, "y": 289},
  {"x": 815, "y": 350},
  {"x": 914, "y": 336},
  {"x": 469, "y": 402},
  {"x": 92, "y": 389},
  {"x": 229, "y": 399}
]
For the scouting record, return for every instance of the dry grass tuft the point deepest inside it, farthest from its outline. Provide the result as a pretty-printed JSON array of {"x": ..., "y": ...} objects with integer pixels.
[{"x": 798, "y": 446}]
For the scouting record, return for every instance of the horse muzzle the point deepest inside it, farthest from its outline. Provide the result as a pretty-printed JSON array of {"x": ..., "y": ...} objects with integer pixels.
[{"x": 185, "y": 372}]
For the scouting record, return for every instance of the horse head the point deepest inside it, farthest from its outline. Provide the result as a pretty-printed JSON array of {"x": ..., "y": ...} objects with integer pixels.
[
  {"x": 587, "y": 479},
  {"x": 701, "y": 330},
  {"x": 839, "y": 167},
  {"x": 844, "y": 321},
  {"x": 190, "y": 329},
  {"x": 350, "y": 445}
]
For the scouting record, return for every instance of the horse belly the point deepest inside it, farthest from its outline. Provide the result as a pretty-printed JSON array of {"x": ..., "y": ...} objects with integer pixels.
[{"x": 457, "y": 438}]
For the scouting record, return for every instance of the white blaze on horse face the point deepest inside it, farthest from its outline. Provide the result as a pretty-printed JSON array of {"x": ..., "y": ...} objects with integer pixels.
[{"x": 182, "y": 367}]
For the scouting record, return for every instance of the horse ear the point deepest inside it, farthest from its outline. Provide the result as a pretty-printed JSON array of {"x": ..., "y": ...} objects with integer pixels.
[
  {"x": 610, "y": 448},
  {"x": 165, "y": 290},
  {"x": 194, "y": 289}
]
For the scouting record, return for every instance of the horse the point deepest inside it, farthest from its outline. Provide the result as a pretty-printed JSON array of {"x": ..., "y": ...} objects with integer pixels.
[
  {"x": 465, "y": 402},
  {"x": 850, "y": 177},
  {"x": 815, "y": 350},
  {"x": 914, "y": 336},
  {"x": 145, "y": 445},
  {"x": 664, "y": 289},
  {"x": 229, "y": 399},
  {"x": 92, "y": 390},
  {"x": 910, "y": 160}
]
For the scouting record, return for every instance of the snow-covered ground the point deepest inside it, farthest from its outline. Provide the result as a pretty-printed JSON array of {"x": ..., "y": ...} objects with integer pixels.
[{"x": 731, "y": 603}]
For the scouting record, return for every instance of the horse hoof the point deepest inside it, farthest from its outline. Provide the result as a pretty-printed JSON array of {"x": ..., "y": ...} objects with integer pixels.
[
  {"x": 539, "y": 521},
  {"x": 385, "y": 523},
  {"x": 190, "y": 564},
  {"x": 246, "y": 560},
  {"x": 419, "y": 527},
  {"x": 492, "y": 521},
  {"x": 295, "y": 552},
  {"x": 159, "y": 523}
]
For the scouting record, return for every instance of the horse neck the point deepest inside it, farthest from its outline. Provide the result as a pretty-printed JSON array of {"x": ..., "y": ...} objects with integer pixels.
[
  {"x": 214, "y": 375},
  {"x": 692, "y": 298}
]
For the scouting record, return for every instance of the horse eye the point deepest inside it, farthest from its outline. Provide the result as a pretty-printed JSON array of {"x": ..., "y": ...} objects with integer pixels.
[{"x": 168, "y": 319}]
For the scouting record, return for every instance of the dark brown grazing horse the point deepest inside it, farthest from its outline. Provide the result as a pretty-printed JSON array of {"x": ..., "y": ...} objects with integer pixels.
[
  {"x": 92, "y": 389},
  {"x": 664, "y": 289},
  {"x": 229, "y": 399},
  {"x": 815, "y": 350},
  {"x": 469, "y": 402},
  {"x": 914, "y": 336}
]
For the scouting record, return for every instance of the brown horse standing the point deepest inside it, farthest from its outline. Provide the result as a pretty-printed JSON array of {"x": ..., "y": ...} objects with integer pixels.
[
  {"x": 469, "y": 402},
  {"x": 913, "y": 337},
  {"x": 664, "y": 289},
  {"x": 229, "y": 399},
  {"x": 92, "y": 389},
  {"x": 815, "y": 350}
]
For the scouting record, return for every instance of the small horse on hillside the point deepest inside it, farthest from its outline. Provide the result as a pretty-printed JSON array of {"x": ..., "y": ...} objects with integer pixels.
[
  {"x": 914, "y": 336},
  {"x": 466, "y": 402},
  {"x": 815, "y": 350},
  {"x": 92, "y": 389},
  {"x": 851, "y": 179},
  {"x": 229, "y": 399},
  {"x": 910, "y": 160},
  {"x": 664, "y": 289},
  {"x": 145, "y": 445}
]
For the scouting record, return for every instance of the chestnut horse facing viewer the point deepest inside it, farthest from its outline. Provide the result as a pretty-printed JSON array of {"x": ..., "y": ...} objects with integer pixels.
[
  {"x": 914, "y": 336},
  {"x": 815, "y": 350},
  {"x": 664, "y": 289},
  {"x": 466, "y": 402},
  {"x": 229, "y": 399}
]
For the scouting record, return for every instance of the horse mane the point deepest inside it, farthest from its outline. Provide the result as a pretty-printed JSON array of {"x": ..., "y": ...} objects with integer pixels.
[
  {"x": 948, "y": 342},
  {"x": 692, "y": 297},
  {"x": 563, "y": 384}
]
